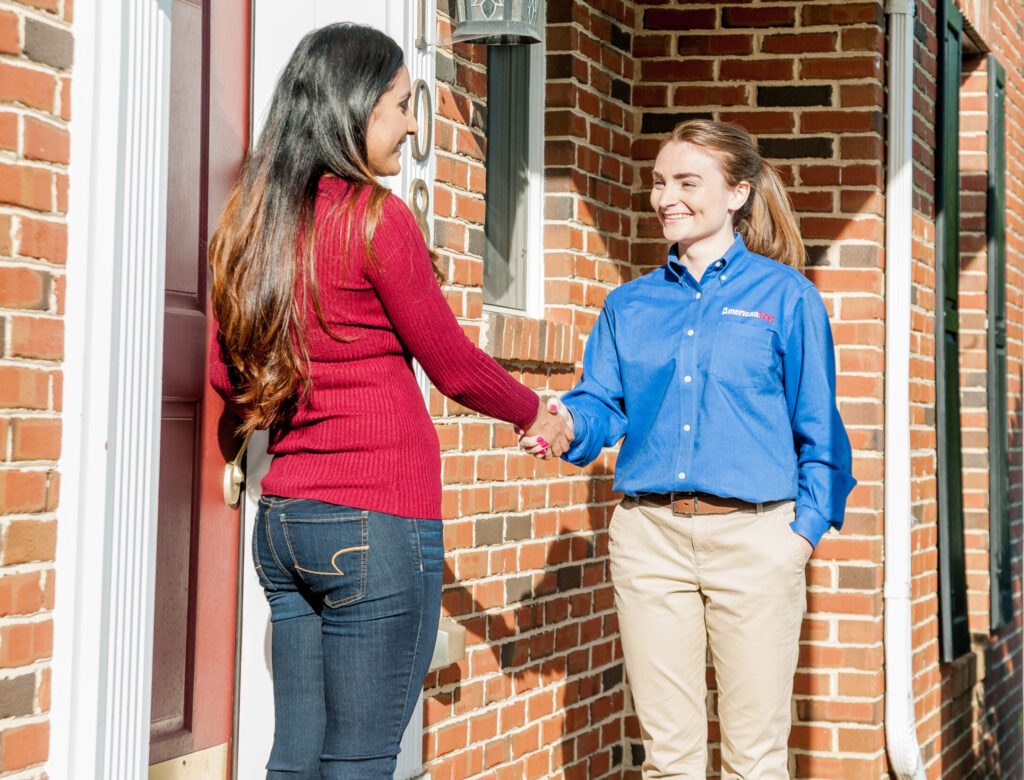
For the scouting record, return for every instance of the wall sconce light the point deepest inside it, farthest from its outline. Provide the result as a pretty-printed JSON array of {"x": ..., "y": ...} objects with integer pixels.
[{"x": 497, "y": 22}]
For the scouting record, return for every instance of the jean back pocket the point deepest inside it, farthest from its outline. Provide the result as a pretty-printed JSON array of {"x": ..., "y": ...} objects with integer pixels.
[{"x": 329, "y": 550}]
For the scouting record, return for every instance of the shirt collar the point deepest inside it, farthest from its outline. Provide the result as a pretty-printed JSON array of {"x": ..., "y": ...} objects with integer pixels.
[{"x": 725, "y": 267}]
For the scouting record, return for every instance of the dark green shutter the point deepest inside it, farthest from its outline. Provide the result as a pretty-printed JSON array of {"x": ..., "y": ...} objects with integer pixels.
[
  {"x": 508, "y": 126},
  {"x": 955, "y": 636},
  {"x": 998, "y": 421}
]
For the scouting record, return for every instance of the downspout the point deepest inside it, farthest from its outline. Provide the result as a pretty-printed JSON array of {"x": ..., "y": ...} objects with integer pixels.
[{"x": 900, "y": 723}]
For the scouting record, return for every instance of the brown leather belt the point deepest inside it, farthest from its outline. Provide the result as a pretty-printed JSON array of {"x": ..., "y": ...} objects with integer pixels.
[{"x": 696, "y": 503}]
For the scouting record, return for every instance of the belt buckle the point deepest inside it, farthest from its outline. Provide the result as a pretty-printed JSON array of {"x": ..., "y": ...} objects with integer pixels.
[{"x": 685, "y": 496}]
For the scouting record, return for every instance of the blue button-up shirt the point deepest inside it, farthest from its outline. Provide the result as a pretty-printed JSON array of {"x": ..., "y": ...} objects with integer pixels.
[{"x": 723, "y": 386}]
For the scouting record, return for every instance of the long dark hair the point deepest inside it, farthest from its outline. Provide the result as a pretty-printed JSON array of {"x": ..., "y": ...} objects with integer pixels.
[
  {"x": 766, "y": 221},
  {"x": 262, "y": 253}
]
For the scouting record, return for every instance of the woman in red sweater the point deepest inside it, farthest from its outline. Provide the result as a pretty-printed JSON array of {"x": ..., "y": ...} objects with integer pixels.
[{"x": 324, "y": 291}]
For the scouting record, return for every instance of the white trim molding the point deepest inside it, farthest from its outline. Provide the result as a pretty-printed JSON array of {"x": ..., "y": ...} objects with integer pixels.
[{"x": 110, "y": 464}]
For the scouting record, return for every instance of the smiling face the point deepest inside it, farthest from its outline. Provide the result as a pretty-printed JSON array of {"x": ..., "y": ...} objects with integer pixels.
[
  {"x": 692, "y": 199},
  {"x": 390, "y": 122}
]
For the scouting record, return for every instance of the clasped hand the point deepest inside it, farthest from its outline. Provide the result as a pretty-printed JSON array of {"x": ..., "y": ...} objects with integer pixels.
[{"x": 551, "y": 433}]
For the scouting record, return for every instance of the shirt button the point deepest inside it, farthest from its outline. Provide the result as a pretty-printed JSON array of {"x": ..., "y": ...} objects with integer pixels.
[
  {"x": 689, "y": 332},
  {"x": 724, "y": 277},
  {"x": 698, "y": 296},
  {"x": 686, "y": 427},
  {"x": 682, "y": 475},
  {"x": 687, "y": 378}
]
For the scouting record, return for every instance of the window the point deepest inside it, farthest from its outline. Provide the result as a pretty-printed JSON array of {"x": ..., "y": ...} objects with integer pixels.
[
  {"x": 954, "y": 633},
  {"x": 998, "y": 425},
  {"x": 513, "y": 269}
]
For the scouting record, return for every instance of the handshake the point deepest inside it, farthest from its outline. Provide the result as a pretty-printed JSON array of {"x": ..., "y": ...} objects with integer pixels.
[{"x": 551, "y": 433}]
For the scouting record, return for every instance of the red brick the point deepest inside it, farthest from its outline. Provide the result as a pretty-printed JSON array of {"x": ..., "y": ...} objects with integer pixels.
[
  {"x": 759, "y": 16},
  {"x": 864, "y": 39},
  {"x": 762, "y": 121},
  {"x": 856, "y": 95},
  {"x": 842, "y": 14},
  {"x": 6, "y": 239},
  {"x": 65, "y": 94},
  {"x": 838, "y": 229},
  {"x": 60, "y": 187},
  {"x": 24, "y": 746},
  {"x": 842, "y": 68},
  {"x": 8, "y": 131},
  {"x": 24, "y": 288},
  {"x": 53, "y": 6},
  {"x": 757, "y": 70},
  {"x": 36, "y": 439},
  {"x": 680, "y": 19},
  {"x": 46, "y": 142},
  {"x": 652, "y": 46},
  {"x": 812, "y": 122},
  {"x": 32, "y": 88},
  {"x": 10, "y": 39},
  {"x": 21, "y": 491},
  {"x": 25, "y": 643},
  {"x": 22, "y": 185},
  {"x": 27, "y": 541},
  {"x": 41, "y": 338},
  {"x": 43, "y": 694},
  {"x": 710, "y": 96},
  {"x": 20, "y": 594},
  {"x": 799, "y": 43},
  {"x": 24, "y": 388},
  {"x": 715, "y": 44}
]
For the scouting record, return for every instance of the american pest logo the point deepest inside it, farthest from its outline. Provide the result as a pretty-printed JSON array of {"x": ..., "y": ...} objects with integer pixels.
[{"x": 732, "y": 312}]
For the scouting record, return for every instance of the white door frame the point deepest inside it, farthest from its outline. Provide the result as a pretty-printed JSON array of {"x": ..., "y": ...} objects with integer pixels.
[{"x": 103, "y": 616}]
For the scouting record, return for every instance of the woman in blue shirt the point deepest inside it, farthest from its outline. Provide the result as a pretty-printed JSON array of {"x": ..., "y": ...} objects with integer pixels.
[{"x": 717, "y": 373}]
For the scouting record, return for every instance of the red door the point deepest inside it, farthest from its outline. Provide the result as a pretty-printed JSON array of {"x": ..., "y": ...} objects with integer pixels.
[{"x": 195, "y": 604}]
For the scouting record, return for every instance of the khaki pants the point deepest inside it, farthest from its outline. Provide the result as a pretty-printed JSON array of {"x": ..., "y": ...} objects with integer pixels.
[{"x": 732, "y": 582}]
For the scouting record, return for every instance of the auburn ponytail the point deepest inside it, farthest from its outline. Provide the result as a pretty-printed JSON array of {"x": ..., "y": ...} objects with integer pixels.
[{"x": 766, "y": 221}]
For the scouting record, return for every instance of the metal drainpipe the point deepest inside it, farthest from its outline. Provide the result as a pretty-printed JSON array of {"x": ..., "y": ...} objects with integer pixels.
[{"x": 900, "y": 723}]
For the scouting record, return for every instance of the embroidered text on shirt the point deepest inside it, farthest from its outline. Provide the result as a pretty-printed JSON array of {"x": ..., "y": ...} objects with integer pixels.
[{"x": 744, "y": 313}]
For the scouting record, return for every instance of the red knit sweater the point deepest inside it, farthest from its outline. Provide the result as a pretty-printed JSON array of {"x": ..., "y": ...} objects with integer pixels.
[{"x": 364, "y": 437}]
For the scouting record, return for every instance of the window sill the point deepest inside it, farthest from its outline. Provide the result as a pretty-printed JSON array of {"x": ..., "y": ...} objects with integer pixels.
[{"x": 520, "y": 339}]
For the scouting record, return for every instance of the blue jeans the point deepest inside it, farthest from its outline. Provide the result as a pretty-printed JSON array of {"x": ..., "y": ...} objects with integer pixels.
[{"x": 355, "y": 598}]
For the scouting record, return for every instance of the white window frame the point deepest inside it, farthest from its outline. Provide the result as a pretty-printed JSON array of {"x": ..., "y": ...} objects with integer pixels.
[{"x": 534, "y": 305}]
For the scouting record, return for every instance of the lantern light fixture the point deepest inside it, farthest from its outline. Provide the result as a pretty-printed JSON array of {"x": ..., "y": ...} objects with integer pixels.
[{"x": 498, "y": 22}]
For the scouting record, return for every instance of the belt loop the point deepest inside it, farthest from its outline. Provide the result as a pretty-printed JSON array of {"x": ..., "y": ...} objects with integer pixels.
[{"x": 760, "y": 509}]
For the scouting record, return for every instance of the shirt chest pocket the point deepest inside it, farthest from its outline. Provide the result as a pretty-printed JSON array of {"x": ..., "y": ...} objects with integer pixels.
[{"x": 743, "y": 357}]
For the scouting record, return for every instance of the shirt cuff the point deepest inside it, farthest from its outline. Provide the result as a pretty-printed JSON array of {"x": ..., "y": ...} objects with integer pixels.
[
  {"x": 577, "y": 452},
  {"x": 810, "y": 525}
]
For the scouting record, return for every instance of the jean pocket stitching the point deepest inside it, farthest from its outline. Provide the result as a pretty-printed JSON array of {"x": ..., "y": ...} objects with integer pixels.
[
  {"x": 334, "y": 558},
  {"x": 261, "y": 575},
  {"x": 363, "y": 548},
  {"x": 276, "y": 502},
  {"x": 273, "y": 550}
]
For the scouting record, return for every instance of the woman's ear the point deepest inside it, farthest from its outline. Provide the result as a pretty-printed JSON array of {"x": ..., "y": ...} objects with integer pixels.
[{"x": 738, "y": 195}]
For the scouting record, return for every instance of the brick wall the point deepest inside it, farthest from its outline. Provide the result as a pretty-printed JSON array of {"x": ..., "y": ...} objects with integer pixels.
[
  {"x": 808, "y": 81},
  {"x": 35, "y": 57},
  {"x": 541, "y": 689}
]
